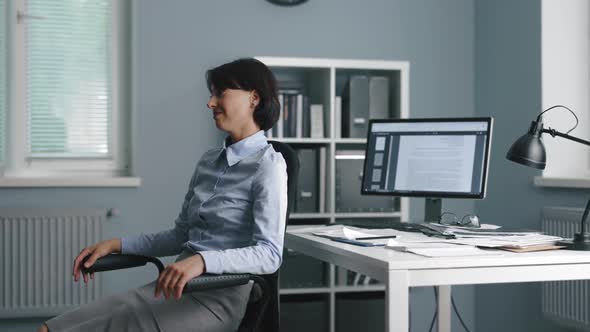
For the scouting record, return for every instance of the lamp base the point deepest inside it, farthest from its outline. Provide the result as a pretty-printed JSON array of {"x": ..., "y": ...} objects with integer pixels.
[{"x": 581, "y": 241}]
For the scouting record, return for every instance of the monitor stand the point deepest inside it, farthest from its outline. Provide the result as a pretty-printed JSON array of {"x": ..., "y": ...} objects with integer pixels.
[{"x": 432, "y": 209}]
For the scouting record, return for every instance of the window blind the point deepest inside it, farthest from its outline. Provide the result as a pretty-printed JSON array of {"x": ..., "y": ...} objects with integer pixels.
[
  {"x": 68, "y": 78},
  {"x": 3, "y": 77}
]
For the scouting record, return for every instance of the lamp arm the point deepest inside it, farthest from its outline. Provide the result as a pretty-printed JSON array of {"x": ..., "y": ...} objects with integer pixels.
[{"x": 554, "y": 133}]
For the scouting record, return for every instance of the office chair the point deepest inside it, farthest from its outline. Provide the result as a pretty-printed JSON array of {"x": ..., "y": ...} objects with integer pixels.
[{"x": 262, "y": 312}]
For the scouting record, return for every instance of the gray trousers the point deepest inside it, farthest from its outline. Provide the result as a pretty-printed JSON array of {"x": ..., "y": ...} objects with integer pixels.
[{"x": 139, "y": 310}]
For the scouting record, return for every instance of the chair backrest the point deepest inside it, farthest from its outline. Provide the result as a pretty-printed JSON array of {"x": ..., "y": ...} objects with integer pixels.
[{"x": 270, "y": 318}]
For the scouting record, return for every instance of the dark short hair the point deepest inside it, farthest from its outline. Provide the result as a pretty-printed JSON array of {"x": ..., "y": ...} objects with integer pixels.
[{"x": 249, "y": 74}]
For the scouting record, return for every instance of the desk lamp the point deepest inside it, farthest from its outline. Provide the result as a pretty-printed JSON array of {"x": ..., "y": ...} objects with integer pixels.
[{"x": 530, "y": 151}]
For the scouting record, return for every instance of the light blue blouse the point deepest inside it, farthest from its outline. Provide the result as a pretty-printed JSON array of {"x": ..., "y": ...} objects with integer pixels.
[{"x": 233, "y": 213}]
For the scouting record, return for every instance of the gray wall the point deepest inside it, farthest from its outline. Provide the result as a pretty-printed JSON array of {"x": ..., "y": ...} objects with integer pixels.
[
  {"x": 508, "y": 87},
  {"x": 176, "y": 41}
]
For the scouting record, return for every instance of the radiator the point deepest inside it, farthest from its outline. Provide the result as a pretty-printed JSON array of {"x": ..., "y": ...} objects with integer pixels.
[
  {"x": 565, "y": 302},
  {"x": 38, "y": 248}
]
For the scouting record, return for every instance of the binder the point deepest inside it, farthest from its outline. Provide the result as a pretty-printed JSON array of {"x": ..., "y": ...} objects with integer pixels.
[
  {"x": 322, "y": 180},
  {"x": 306, "y": 117},
  {"x": 349, "y": 175},
  {"x": 379, "y": 97},
  {"x": 299, "y": 115},
  {"x": 293, "y": 115},
  {"x": 307, "y": 190},
  {"x": 279, "y": 125},
  {"x": 356, "y": 116},
  {"x": 316, "y": 112},
  {"x": 338, "y": 117}
]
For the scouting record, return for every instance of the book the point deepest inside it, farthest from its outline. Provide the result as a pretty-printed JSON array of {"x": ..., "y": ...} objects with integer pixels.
[
  {"x": 287, "y": 115},
  {"x": 289, "y": 92},
  {"x": 293, "y": 122},
  {"x": 279, "y": 125}
]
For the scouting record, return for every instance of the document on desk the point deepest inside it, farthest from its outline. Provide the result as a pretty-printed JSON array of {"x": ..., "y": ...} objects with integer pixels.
[
  {"x": 495, "y": 238},
  {"x": 439, "y": 249}
]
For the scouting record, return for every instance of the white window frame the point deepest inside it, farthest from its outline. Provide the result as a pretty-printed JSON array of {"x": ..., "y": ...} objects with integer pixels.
[
  {"x": 565, "y": 45},
  {"x": 20, "y": 170}
]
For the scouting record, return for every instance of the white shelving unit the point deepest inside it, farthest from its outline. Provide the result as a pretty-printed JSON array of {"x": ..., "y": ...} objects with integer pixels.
[{"x": 323, "y": 80}]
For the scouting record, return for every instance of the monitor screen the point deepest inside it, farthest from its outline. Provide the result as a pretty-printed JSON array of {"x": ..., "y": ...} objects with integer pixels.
[{"x": 445, "y": 157}]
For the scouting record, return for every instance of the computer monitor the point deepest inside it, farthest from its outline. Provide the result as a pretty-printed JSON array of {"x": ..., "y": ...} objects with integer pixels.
[{"x": 434, "y": 158}]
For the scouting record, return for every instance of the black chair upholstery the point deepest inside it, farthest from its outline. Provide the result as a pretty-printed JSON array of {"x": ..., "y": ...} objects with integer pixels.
[
  {"x": 270, "y": 315},
  {"x": 262, "y": 313}
]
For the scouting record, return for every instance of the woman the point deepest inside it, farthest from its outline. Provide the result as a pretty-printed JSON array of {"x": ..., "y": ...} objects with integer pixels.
[{"x": 232, "y": 221}]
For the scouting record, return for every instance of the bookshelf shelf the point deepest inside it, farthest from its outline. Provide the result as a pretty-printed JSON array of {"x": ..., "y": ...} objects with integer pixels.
[
  {"x": 310, "y": 216},
  {"x": 303, "y": 140},
  {"x": 368, "y": 215},
  {"x": 336, "y": 289},
  {"x": 317, "y": 114},
  {"x": 310, "y": 290},
  {"x": 356, "y": 289},
  {"x": 350, "y": 141}
]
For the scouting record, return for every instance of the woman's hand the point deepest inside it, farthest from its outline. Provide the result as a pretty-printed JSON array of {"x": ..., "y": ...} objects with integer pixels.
[
  {"x": 176, "y": 275},
  {"x": 95, "y": 252}
]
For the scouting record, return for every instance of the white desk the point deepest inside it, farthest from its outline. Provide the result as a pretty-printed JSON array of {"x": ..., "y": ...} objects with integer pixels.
[{"x": 399, "y": 271}]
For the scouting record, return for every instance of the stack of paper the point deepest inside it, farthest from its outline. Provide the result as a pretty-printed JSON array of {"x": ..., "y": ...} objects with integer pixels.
[{"x": 498, "y": 238}]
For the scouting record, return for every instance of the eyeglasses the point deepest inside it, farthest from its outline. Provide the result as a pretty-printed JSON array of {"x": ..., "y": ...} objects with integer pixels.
[{"x": 468, "y": 220}]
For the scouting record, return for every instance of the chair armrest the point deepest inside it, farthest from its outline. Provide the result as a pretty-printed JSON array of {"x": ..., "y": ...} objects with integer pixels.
[
  {"x": 212, "y": 281},
  {"x": 112, "y": 262}
]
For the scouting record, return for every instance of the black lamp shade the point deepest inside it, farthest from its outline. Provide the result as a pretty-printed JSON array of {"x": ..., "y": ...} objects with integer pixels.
[{"x": 529, "y": 149}]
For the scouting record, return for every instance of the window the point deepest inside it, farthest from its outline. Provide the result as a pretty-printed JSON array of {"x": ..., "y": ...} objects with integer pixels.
[
  {"x": 565, "y": 45},
  {"x": 3, "y": 77},
  {"x": 66, "y": 113}
]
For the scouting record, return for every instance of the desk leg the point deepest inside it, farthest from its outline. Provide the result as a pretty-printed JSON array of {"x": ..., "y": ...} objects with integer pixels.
[
  {"x": 397, "y": 302},
  {"x": 444, "y": 308}
]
